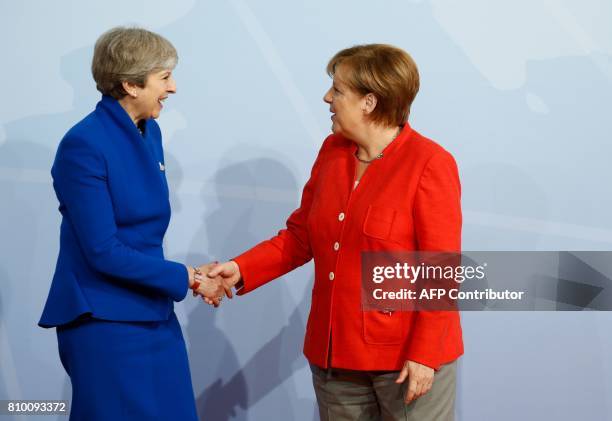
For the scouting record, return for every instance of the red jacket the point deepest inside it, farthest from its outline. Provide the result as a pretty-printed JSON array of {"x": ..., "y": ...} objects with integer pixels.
[{"x": 408, "y": 200}]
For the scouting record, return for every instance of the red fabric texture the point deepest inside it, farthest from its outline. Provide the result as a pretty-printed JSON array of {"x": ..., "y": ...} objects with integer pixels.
[{"x": 408, "y": 200}]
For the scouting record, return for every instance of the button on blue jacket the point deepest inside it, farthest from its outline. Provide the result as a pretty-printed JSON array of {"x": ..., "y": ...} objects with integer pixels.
[{"x": 113, "y": 194}]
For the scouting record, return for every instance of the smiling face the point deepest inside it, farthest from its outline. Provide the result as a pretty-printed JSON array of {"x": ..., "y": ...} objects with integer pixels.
[
  {"x": 348, "y": 107},
  {"x": 147, "y": 100}
]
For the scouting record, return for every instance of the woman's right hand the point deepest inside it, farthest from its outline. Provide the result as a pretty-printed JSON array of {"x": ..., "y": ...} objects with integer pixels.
[
  {"x": 229, "y": 272},
  {"x": 191, "y": 276},
  {"x": 211, "y": 290}
]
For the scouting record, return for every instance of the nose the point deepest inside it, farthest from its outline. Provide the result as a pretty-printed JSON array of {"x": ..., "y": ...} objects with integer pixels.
[
  {"x": 328, "y": 96},
  {"x": 171, "y": 88}
]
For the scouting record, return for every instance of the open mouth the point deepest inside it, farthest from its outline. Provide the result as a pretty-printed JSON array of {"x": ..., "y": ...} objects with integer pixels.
[{"x": 160, "y": 101}]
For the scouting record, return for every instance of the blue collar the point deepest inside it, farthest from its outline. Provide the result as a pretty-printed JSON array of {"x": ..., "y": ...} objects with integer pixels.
[{"x": 121, "y": 117}]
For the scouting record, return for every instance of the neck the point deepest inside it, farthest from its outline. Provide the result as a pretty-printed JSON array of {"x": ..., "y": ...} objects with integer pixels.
[
  {"x": 374, "y": 140},
  {"x": 128, "y": 106}
]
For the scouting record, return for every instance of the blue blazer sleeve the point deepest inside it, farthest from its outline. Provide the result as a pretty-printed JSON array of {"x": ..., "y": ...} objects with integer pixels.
[{"x": 79, "y": 177}]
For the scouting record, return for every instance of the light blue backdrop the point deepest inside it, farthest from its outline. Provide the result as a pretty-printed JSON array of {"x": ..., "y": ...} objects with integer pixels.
[{"x": 518, "y": 91}]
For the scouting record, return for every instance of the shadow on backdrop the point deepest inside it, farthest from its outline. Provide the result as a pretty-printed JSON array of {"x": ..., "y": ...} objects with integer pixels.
[
  {"x": 29, "y": 217},
  {"x": 253, "y": 200}
]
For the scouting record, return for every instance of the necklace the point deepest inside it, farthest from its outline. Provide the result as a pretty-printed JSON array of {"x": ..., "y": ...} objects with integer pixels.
[
  {"x": 380, "y": 155},
  {"x": 368, "y": 161}
]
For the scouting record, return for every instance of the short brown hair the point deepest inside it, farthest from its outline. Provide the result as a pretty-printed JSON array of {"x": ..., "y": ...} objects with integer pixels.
[
  {"x": 129, "y": 55},
  {"x": 387, "y": 72}
]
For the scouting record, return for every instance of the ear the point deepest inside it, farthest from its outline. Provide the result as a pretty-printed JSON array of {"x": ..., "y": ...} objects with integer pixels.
[
  {"x": 369, "y": 103},
  {"x": 130, "y": 88}
]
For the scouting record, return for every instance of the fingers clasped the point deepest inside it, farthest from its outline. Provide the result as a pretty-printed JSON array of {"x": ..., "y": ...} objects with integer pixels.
[{"x": 213, "y": 281}]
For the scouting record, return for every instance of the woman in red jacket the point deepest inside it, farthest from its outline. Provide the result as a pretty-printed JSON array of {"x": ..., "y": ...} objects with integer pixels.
[{"x": 377, "y": 184}]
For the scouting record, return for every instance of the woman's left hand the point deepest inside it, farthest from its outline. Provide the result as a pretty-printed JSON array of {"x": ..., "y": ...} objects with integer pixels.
[{"x": 420, "y": 379}]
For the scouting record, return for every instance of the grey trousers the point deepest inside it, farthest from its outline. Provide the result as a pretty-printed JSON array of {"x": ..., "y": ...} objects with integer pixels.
[{"x": 346, "y": 395}]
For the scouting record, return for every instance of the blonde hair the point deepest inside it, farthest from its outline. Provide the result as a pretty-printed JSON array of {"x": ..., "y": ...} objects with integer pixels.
[
  {"x": 129, "y": 55},
  {"x": 387, "y": 72}
]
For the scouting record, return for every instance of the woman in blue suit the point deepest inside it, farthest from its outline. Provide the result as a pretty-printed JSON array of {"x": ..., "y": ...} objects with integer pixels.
[{"x": 112, "y": 294}]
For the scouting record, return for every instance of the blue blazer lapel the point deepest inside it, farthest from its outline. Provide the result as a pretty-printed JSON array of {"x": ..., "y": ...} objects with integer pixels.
[{"x": 144, "y": 145}]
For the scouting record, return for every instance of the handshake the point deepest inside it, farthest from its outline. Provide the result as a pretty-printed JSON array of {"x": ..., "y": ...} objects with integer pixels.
[{"x": 214, "y": 280}]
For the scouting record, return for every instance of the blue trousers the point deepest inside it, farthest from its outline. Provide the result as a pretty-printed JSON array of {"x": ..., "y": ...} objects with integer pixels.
[{"x": 127, "y": 370}]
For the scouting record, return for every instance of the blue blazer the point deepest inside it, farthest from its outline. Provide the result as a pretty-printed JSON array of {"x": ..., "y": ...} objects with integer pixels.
[{"x": 113, "y": 194}]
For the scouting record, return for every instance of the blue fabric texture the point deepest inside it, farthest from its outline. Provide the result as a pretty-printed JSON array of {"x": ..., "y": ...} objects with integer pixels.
[
  {"x": 127, "y": 370},
  {"x": 111, "y": 185}
]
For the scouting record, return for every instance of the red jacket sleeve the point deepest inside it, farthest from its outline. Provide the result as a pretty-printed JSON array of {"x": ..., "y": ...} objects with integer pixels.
[
  {"x": 437, "y": 216},
  {"x": 289, "y": 249}
]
